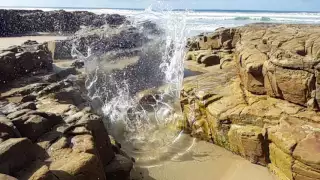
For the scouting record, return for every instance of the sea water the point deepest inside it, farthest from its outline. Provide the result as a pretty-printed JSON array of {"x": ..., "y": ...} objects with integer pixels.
[{"x": 199, "y": 21}]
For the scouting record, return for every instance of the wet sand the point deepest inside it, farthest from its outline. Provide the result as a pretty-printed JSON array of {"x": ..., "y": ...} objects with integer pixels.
[
  {"x": 10, "y": 41},
  {"x": 204, "y": 161}
]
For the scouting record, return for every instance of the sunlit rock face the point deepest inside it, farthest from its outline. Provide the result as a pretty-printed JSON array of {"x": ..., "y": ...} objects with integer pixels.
[{"x": 262, "y": 103}]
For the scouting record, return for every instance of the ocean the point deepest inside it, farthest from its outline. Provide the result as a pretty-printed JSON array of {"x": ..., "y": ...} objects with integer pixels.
[{"x": 198, "y": 21}]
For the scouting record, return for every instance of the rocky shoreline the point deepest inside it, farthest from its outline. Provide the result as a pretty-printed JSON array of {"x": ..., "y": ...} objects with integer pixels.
[
  {"x": 48, "y": 130},
  {"x": 259, "y": 95},
  {"x": 24, "y": 22}
]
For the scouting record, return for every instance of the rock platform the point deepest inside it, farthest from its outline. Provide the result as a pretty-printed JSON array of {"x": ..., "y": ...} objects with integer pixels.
[
  {"x": 47, "y": 129},
  {"x": 260, "y": 100}
]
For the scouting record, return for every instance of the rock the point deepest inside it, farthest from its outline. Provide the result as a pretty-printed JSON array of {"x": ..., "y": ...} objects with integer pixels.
[
  {"x": 201, "y": 55},
  {"x": 17, "y": 22},
  {"x": 251, "y": 70},
  {"x": 78, "y": 166},
  {"x": 308, "y": 150},
  {"x": 8, "y": 108},
  {"x": 302, "y": 171},
  {"x": 46, "y": 140},
  {"x": 6, "y": 177},
  {"x": 18, "y": 113},
  {"x": 281, "y": 160},
  {"x": 83, "y": 143},
  {"x": 7, "y": 130},
  {"x": 292, "y": 85},
  {"x": 248, "y": 141},
  {"x": 16, "y": 153},
  {"x": 7, "y": 65},
  {"x": 34, "y": 126},
  {"x": 119, "y": 168},
  {"x": 210, "y": 60},
  {"x": 100, "y": 135},
  {"x": 263, "y": 105},
  {"x": 23, "y": 60},
  {"x": 69, "y": 96},
  {"x": 28, "y": 98},
  {"x": 27, "y": 105},
  {"x": 36, "y": 171}
]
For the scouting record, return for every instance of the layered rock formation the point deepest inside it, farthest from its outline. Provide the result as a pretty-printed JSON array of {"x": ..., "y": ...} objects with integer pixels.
[
  {"x": 261, "y": 102},
  {"x": 48, "y": 130},
  {"x": 20, "y": 22}
]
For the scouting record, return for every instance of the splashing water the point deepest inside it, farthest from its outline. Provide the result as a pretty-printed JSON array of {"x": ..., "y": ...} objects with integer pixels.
[{"x": 135, "y": 74}]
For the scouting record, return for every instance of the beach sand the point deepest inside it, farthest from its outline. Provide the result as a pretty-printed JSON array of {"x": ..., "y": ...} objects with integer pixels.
[
  {"x": 204, "y": 161},
  {"x": 10, "y": 41}
]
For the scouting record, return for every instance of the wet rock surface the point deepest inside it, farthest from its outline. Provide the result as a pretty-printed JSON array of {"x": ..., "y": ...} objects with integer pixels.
[{"x": 262, "y": 102}]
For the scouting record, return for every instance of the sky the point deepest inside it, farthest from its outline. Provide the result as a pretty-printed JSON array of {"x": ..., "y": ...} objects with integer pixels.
[{"x": 276, "y": 5}]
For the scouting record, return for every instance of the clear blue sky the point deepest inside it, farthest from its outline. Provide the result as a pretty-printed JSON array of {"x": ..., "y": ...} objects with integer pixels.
[{"x": 284, "y": 5}]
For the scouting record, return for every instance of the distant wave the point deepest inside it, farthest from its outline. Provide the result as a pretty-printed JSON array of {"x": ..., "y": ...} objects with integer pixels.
[{"x": 205, "y": 21}]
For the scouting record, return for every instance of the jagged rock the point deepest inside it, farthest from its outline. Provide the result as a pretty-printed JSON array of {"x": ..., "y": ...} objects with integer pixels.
[{"x": 34, "y": 126}]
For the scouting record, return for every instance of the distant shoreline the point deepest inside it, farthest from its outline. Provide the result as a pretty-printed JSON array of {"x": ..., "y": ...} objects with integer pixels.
[{"x": 141, "y": 9}]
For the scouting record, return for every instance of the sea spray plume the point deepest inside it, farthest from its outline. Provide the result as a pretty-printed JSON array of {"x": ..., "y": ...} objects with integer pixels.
[{"x": 134, "y": 76}]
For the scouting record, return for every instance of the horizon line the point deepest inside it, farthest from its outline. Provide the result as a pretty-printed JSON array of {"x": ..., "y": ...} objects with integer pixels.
[{"x": 196, "y": 9}]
